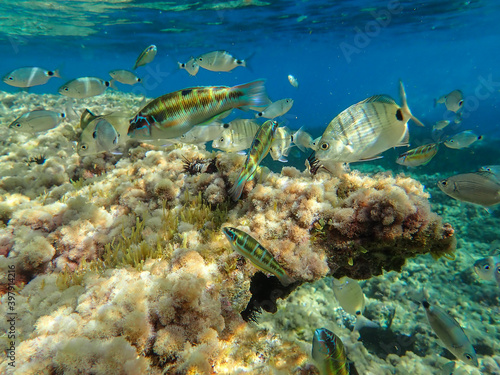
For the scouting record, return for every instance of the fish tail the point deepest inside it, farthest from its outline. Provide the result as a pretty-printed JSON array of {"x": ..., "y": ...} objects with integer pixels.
[
  {"x": 362, "y": 322},
  {"x": 285, "y": 279},
  {"x": 237, "y": 189},
  {"x": 57, "y": 73},
  {"x": 405, "y": 107},
  {"x": 252, "y": 94}
]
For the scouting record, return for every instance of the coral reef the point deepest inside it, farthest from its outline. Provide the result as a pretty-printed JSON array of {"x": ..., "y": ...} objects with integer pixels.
[{"x": 121, "y": 266}]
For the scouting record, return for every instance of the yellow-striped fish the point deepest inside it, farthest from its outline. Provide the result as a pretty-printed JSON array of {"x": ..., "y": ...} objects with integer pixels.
[
  {"x": 451, "y": 334},
  {"x": 260, "y": 147},
  {"x": 252, "y": 250},
  {"x": 146, "y": 56},
  {"x": 418, "y": 156},
  {"x": 329, "y": 353},
  {"x": 174, "y": 114},
  {"x": 366, "y": 129}
]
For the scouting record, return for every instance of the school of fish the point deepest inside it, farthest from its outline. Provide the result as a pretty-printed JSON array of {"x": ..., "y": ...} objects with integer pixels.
[{"x": 361, "y": 132}]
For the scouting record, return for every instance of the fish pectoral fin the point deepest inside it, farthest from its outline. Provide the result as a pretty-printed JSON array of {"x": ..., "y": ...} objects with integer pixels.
[{"x": 372, "y": 158}]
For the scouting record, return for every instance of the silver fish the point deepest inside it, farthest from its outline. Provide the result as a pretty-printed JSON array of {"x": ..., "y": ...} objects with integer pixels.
[
  {"x": 146, "y": 56},
  {"x": 29, "y": 76},
  {"x": 441, "y": 124},
  {"x": 191, "y": 66},
  {"x": 124, "y": 76},
  {"x": 203, "y": 133},
  {"x": 493, "y": 169},
  {"x": 366, "y": 129},
  {"x": 102, "y": 133},
  {"x": 488, "y": 268},
  {"x": 277, "y": 108},
  {"x": 453, "y": 101},
  {"x": 84, "y": 87},
  {"x": 293, "y": 81},
  {"x": 219, "y": 61},
  {"x": 451, "y": 334},
  {"x": 462, "y": 140},
  {"x": 37, "y": 121},
  {"x": 281, "y": 144},
  {"x": 479, "y": 188},
  {"x": 236, "y": 135},
  {"x": 350, "y": 296},
  {"x": 302, "y": 140}
]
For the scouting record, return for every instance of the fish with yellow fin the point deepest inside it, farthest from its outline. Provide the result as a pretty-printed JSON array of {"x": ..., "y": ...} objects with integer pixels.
[
  {"x": 260, "y": 147},
  {"x": 174, "y": 114},
  {"x": 146, "y": 56},
  {"x": 251, "y": 249},
  {"x": 329, "y": 354},
  {"x": 366, "y": 129},
  {"x": 418, "y": 156}
]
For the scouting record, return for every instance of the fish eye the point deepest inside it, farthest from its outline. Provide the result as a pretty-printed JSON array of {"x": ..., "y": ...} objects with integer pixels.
[
  {"x": 221, "y": 139},
  {"x": 11, "y": 78},
  {"x": 358, "y": 312},
  {"x": 225, "y": 126},
  {"x": 239, "y": 61},
  {"x": 17, "y": 125},
  {"x": 260, "y": 114},
  {"x": 444, "y": 183},
  {"x": 200, "y": 58},
  {"x": 460, "y": 103},
  {"x": 325, "y": 146},
  {"x": 468, "y": 356},
  {"x": 83, "y": 147},
  {"x": 66, "y": 88}
]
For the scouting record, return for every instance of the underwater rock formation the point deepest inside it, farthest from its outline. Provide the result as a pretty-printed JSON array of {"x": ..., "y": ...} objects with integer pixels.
[{"x": 124, "y": 269}]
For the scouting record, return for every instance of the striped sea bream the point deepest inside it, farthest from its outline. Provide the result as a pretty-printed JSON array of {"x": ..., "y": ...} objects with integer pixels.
[
  {"x": 259, "y": 148},
  {"x": 251, "y": 249},
  {"x": 174, "y": 114},
  {"x": 366, "y": 129}
]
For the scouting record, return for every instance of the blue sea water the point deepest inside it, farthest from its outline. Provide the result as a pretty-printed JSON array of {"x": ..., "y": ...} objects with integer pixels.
[{"x": 340, "y": 51}]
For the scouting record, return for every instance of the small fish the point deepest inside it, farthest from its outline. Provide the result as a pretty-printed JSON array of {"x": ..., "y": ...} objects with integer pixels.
[
  {"x": 488, "y": 268},
  {"x": 451, "y": 334},
  {"x": 37, "y": 121},
  {"x": 219, "y": 61},
  {"x": 84, "y": 87},
  {"x": 350, "y": 296},
  {"x": 174, "y": 114},
  {"x": 480, "y": 188},
  {"x": 101, "y": 133},
  {"x": 453, "y": 101},
  {"x": 124, "y": 76},
  {"x": 29, "y": 76},
  {"x": 146, "y": 56},
  {"x": 280, "y": 147},
  {"x": 493, "y": 169},
  {"x": 302, "y": 140},
  {"x": 261, "y": 145},
  {"x": 366, "y": 129},
  {"x": 203, "y": 133},
  {"x": 251, "y": 249},
  {"x": 191, "y": 66},
  {"x": 418, "y": 156},
  {"x": 441, "y": 124},
  {"x": 462, "y": 140},
  {"x": 448, "y": 368},
  {"x": 329, "y": 353},
  {"x": 277, "y": 108},
  {"x": 293, "y": 81},
  {"x": 236, "y": 135}
]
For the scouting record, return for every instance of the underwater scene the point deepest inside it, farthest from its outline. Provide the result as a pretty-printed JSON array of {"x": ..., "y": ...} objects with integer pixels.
[{"x": 250, "y": 187}]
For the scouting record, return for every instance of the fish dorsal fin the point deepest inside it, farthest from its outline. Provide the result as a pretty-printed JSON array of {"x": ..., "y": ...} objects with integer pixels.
[
  {"x": 86, "y": 118},
  {"x": 379, "y": 99}
]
